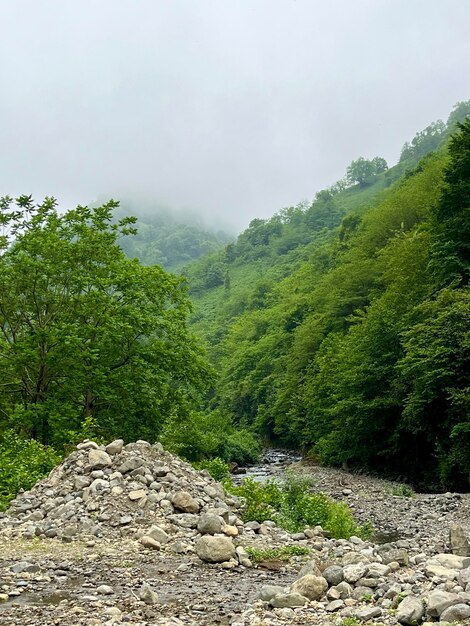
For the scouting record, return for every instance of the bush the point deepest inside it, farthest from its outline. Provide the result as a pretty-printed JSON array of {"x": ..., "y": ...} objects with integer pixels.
[
  {"x": 293, "y": 507},
  {"x": 210, "y": 435},
  {"x": 22, "y": 463},
  {"x": 217, "y": 468}
]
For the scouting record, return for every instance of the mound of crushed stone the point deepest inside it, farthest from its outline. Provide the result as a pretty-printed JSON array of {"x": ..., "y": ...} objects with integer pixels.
[{"x": 122, "y": 489}]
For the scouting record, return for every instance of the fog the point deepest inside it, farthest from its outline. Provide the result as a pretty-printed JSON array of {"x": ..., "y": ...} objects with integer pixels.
[{"x": 230, "y": 108}]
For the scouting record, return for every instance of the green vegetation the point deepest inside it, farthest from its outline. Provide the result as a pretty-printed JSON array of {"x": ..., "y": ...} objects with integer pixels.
[
  {"x": 217, "y": 468},
  {"x": 291, "y": 505},
  {"x": 167, "y": 238},
  {"x": 402, "y": 491},
  {"x": 91, "y": 342},
  {"x": 283, "y": 553},
  {"x": 22, "y": 463},
  {"x": 340, "y": 326},
  {"x": 197, "y": 436},
  {"x": 344, "y": 327}
]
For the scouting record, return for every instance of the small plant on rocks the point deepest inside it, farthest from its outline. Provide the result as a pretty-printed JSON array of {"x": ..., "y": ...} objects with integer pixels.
[
  {"x": 216, "y": 467},
  {"x": 293, "y": 507},
  {"x": 402, "y": 491},
  {"x": 283, "y": 553}
]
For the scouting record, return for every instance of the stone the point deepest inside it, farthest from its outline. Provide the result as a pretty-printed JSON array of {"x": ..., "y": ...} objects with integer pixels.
[
  {"x": 352, "y": 573},
  {"x": 137, "y": 494},
  {"x": 398, "y": 555},
  {"x": 378, "y": 570},
  {"x": 452, "y": 561},
  {"x": 130, "y": 465},
  {"x": 209, "y": 524},
  {"x": 345, "y": 590},
  {"x": 4, "y": 597},
  {"x": 439, "y": 601},
  {"x": 310, "y": 568},
  {"x": 105, "y": 590},
  {"x": 184, "y": 520},
  {"x": 215, "y": 549},
  {"x": 456, "y": 613},
  {"x": 267, "y": 592},
  {"x": 410, "y": 611},
  {"x": 334, "y": 606},
  {"x": 311, "y": 587},
  {"x": 369, "y": 613},
  {"x": 25, "y": 566},
  {"x": 288, "y": 600},
  {"x": 230, "y": 530},
  {"x": 183, "y": 501},
  {"x": 115, "y": 447},
  {"x": 158, "y": 534},
  {"x": 333, "y": 574},
  {"x": 434, "y": 569},
  {"x": 459, "y": 543},
  {"x": 147, "y": 594},
  {"x": 150, "y": 542},
  {"x": 87, "y": 445},
  {"x": 98, "y": 459}
]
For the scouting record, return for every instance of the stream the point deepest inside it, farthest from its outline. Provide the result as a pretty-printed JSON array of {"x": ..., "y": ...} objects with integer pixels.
[{"x": 272, "y": 464}]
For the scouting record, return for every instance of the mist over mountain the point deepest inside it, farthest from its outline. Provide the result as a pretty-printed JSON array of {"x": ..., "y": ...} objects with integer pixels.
[{"x": 227, "y": 109}]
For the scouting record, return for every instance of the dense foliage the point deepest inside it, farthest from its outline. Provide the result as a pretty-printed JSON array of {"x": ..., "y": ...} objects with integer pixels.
[
  {"x": 168, "y": 239},
  {"x": 23, "y": 461},
  {"x": 345, "y": 325},
  {"x": 90, "y": 340}
]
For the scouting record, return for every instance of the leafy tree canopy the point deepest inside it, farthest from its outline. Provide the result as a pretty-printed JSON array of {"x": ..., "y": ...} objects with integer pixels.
[{"x": 89, "y": 338}]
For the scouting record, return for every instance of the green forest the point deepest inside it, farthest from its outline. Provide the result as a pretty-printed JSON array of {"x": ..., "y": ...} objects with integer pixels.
[{"x": 340, "y": 326}]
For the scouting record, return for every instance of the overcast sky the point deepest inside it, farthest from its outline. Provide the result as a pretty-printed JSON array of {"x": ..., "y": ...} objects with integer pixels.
[{"x": 234, "y": 108}]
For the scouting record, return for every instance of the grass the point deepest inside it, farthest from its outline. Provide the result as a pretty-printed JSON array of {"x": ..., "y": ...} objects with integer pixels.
[
  {"x": 283, "y": 553},
  {"x": 292, "y": 507},
  {"x": 402, "y": 491}
]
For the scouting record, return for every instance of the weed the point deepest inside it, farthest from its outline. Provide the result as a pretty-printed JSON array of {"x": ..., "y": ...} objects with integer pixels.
[
  {"x": 402, "y": 491},
  {"x": 283, "y": 553},
  {"x": 293, "y": 507}
]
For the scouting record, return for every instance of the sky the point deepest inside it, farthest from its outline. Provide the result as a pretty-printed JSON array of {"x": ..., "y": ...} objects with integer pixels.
[{"x": 232, "y": 109}]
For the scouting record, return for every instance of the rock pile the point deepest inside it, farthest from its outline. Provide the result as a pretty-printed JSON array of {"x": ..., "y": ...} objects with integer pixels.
[
  {"x": 139, "y": 506},
  {"x": 136, "y": 489}
]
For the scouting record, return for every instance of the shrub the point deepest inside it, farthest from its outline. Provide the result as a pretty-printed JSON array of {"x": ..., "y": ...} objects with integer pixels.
[
  {"x": 210, "y": 435},
  {"x": 293, "y": 507},
  {"x": 22, "y": 463},
  {"x": 217, "y": 468}
]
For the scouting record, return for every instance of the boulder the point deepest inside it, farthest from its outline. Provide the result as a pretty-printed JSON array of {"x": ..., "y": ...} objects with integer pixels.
[
  {"x": 115, "y": 447},
  {"x": 458, "y": 541},
  {"x": 148, "y": 595},
  {"x": 288, "y": 600},
  {"x": 410, "y": 611},
  {"x": 215, "y": 549},
  {"x": 439, "y": 601},
  {"x": 333, "y": 574},
  {"x": 352, "y": 573},
  {"x": 311, "y": 587},
  {"x": 183, "y": 501},
  {"x": 158, "y": 534},
  {"x": 267, "y": 592},
  {"x": 209, "y": 524},
  {"x": 98, "y": 459},
  {"x": 456, "y": 613}
]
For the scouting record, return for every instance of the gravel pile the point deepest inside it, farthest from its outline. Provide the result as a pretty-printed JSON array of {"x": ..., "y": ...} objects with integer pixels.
[{"x": 132, "y": 534}]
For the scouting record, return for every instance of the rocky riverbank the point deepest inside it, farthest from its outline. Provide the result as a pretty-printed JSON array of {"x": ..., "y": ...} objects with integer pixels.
[{"x": 133, "y": 535}]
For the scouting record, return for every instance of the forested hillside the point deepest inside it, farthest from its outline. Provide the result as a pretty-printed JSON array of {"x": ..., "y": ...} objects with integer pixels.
[
  {"x": 343, "y": 326},
  {"x": 167, "y": 238}
]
